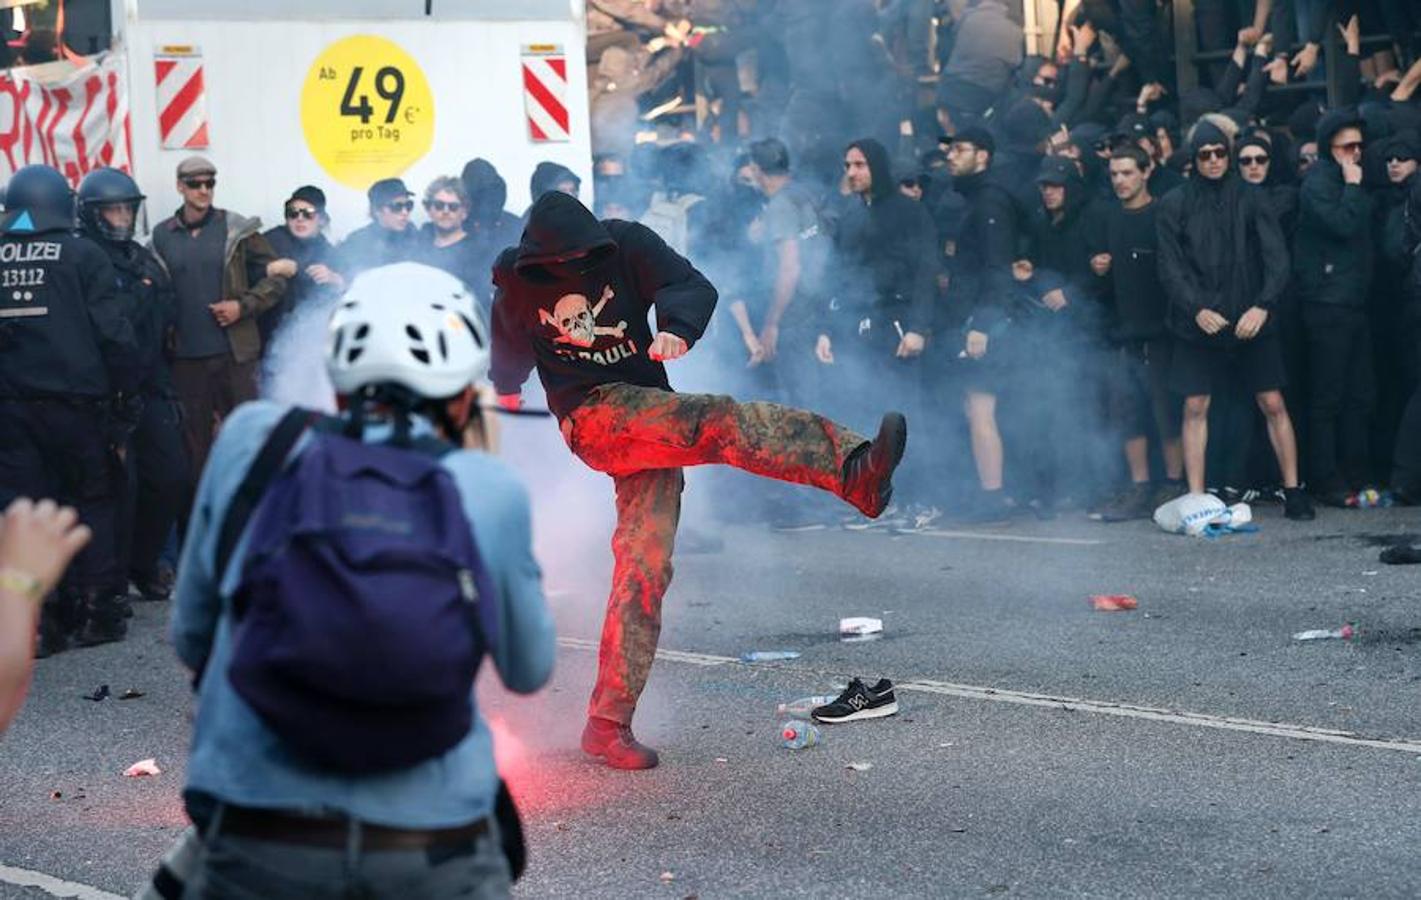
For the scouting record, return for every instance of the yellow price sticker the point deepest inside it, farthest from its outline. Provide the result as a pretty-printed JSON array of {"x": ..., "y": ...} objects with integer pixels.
[{"x": 366, "y": 110}]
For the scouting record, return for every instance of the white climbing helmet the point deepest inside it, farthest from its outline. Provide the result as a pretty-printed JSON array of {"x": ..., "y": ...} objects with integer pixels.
[{"x": 407, "y": 324}]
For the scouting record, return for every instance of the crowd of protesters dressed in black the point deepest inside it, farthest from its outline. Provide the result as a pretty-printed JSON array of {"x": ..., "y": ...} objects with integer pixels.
[
  {"x": 1093, "y": 291},
  {"x": 1101, "y": 290}
]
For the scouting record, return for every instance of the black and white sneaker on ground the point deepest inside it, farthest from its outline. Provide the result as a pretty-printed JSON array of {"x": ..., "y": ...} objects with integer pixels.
[{"x": 858, "y": 701}]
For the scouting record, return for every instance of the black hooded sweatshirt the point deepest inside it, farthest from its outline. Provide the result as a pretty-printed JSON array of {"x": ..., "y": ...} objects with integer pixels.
[
  {"x": 888, "y": 243},
  {"x": 546, "y": 177},
  {"x": 1061, "y": 249},
  {"x": 1220, "y": 248},
  {"x": 1333, "y": 258},
  {"x": 591, "y": 329},
  {"x": 492, "y": 225},
  {"x": 980, "y": 259}
]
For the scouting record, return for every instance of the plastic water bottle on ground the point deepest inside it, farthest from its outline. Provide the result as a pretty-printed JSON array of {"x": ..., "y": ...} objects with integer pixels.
[
  {"x": 769, "y": 655},
  {"x": 1345, "y": 633},
  {"x": 801, "y": 708},
  {"x": 798, "y": 735}
]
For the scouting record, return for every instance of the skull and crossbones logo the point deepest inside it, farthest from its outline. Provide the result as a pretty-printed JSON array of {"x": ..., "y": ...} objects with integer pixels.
[{"x": 576, "y": 319}]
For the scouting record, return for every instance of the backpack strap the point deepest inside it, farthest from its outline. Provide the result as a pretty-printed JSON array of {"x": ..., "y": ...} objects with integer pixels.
[{"x": 262, "y": 472}]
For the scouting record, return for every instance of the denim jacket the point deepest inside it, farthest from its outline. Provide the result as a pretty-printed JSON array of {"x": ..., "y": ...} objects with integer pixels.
[{"x": 236, "y": 759}]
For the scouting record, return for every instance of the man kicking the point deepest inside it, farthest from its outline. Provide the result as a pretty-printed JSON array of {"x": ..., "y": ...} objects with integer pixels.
[{"x": 573, "y": 300}]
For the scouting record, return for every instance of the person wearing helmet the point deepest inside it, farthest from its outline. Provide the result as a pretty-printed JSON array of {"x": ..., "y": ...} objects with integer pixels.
[
  {"x": 274, "y": 824},
  {"x": 573, "y": 301},
  {"x": 155, "y": 458},
  {"x": 68, "y": 357}
]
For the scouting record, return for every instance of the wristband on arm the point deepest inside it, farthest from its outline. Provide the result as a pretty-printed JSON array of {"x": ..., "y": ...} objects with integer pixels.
[{"x": 22, "y": 583}]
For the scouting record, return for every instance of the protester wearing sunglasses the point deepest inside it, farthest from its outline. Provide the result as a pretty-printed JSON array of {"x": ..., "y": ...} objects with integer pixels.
[
  {"x": 308, "y": 259},
  {"x": 1332, "y": 263},
  {"x": 390, "y": 237},
  {"x": 445, "y": 243},
  {"x": 218, "y": 261},
  {"x": 1223, "y": 261}
]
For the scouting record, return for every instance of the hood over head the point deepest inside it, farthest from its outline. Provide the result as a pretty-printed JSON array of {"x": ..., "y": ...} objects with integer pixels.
[
  {"x": 1206, "y": 132},
  {"x": 1163, "y": 118},
  {"x": 1026, "y": 125},
  {"x": 1332, "y": 122},
  {"x": 1277, "y": 159},
  {"x": 488, "y": 192},
  {"x": 1402, "y": 145},
  {"x": 547, "y": 176},
  {"x": 879, "y": 166},
  {"x": 561, "y": 229}
]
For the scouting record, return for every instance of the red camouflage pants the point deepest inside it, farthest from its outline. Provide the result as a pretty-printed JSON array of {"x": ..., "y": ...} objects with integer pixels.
[{"x": 642, "y": 437}]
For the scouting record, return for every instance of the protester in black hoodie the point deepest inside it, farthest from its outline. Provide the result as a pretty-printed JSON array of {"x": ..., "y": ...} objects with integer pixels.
[
  {"x": 878, "y": 321},
  {"x": 1224, "y": 264},
  {"x": 573, "y": 300},
  {"x": 980, "y": 262},
  {"x": 1393, "y": 338},
  {"x": 1263, "y": 161},
  {"x": 1404, "y": 248},
  {"x": 1060, "y": 328},
  {"x": 551, "y": 176},
  {"x": 1333, "y": 265},
  {"x": 491, "y": 227}
]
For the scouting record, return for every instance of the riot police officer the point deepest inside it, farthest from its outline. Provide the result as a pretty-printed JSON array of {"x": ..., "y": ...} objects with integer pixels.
[
  {"x": 66, "y": 353},
  {"x": 156, "y": 459}
]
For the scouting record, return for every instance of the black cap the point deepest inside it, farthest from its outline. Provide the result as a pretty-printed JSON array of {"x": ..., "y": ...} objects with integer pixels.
[
  {"x": 977, "y": 136},
  {"x": 1058, "y": 170},
  {"x": 386, "y": 190},
  {"x": 1134, "y": 125},
  {"x": 309, "y": 193}
]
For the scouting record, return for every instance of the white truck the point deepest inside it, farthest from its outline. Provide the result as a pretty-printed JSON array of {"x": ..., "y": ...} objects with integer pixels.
[{"x": 335, "y": 93}]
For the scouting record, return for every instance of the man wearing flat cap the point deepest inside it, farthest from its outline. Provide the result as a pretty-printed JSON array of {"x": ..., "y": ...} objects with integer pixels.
[{"x": 218, "y": 263}]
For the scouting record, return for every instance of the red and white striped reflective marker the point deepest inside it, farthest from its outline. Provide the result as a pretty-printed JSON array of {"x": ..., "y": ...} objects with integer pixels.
[
  {"x": 182, "y": 99},
  {"x": 545, "y": 93}
]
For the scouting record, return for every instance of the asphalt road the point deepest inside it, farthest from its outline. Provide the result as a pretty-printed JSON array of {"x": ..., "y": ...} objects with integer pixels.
[{"x": 1208, "y": 755}]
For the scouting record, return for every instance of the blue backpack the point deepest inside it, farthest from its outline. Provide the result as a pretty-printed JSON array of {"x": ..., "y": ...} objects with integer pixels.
[{"x": 361, "y": 614}]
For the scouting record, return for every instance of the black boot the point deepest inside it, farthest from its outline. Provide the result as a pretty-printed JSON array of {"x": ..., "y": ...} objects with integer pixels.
[
  {"x": 105, "y": 621},
  {"x": 868, "y": 472}
]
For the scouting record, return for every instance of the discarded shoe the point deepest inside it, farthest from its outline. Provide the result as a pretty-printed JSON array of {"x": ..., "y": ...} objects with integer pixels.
[
  {"x": 868, "y": 472},
  {"x": 858, "y": 701},
  {"x": 614, "y": 743}
]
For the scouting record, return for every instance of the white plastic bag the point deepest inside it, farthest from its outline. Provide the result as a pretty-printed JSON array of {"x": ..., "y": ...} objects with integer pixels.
[{"x": 1191, "y": 513}]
